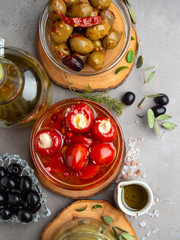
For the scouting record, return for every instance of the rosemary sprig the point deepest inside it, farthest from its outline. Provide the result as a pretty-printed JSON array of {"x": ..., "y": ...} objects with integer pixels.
[{"x": 111, "y": 103}]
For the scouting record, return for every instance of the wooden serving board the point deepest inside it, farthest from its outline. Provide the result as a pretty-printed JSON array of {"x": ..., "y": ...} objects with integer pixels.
[
  {"x": 70, "y": 213},
  {"x": 103, "y": 81}
]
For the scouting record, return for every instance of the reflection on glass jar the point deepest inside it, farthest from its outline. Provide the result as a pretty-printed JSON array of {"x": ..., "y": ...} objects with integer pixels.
[
  {"x": 25, "y": 90},
  {"x": 83, "y": 229}
]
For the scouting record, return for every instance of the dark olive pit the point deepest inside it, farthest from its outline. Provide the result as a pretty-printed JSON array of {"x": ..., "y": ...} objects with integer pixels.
[{"x": 135, "y": 197}]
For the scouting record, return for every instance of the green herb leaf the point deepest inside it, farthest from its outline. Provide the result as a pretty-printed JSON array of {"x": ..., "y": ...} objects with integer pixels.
[
  {"x": 112, "y": 103},
  {"x": 150, "y": 77},
  {"x": 141, "y": 102},
  {"x": 149, "y": 68},
  {"x": 132, "y": 14},
  {"x": 96, "y": 206},
  {"x": 163, "y": 117},
  {"x": 132, "y": 38},
  {"x": 169, "y": 125},
  {"x": 127, "y": 236},
  {"x": 115, "y": 233},
  {"x": 157, "y": 129},
  {"x": 130, "y": 56},
  {"x": 81, "y": 209},
  {"x": 120, "y": 69},
  {"x": 150, "y": 115},
  {"x": 120, "y": 229},
  {"x": 121, "y": 237},
  {"x": 107, "y": 219},
  {"x": 139, "y": 62},
  {"x": 154, "y": 95}
]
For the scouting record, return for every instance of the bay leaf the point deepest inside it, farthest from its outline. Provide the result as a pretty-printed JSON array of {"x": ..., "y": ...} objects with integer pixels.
[
  {"x": 139, "y": 62},
  {"x": 96, "y": 206},
  {"x": 163, "y": 117},
  {"x": 169, "y": 125},
  {"x": 81, "y": 209},
  {"x": 132, "y": 38},
  {"x": 132, "y": 14},
  {"x": 150, "y": 115},
  {"x": 107, "y": 219},
  {"x": 127, "y": 236},
  {"x": 157, "y": 129},
  {"x": 130, "y": 56},
  {"x": 150, "y": 77},
  {"x": 120, "y": 229},
  {"x": 120, "y": 69}
]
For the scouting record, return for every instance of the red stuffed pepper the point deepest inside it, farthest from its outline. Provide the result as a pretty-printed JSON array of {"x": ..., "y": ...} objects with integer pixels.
[
  {"x": 104, "y": 129},
  {"x": 102, "y": 153},
  {"x": 79, "y": 118},
  {"x": 47, "y": 142}
]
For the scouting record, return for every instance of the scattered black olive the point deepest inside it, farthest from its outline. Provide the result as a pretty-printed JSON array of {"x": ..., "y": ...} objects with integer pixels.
[
  {"x": 128, "y": 98},
  {"x": 14, "y": 169},
  {"x": 158, "y": 110},
  {"x": 162, "y": 100},
  {"x": 25, "y": 184},
  {"x": 2, "y": 172},
  {"x": 6, "y": 213},
  {"x": 8, "y": 182},
  {"x": 24, "y": 216},
  {"x": 73, "y": 62},
  {"x": 14, "y": 198},
  {"x": 35, "y": 209},
  {"x": 33, "y": 198},
  {"x": 80, "y": 29},
  {"x": 2, "y": 197}
]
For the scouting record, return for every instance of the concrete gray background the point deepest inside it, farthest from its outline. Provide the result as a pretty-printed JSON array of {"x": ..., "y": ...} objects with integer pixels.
[{"x": 158, "y": 25}]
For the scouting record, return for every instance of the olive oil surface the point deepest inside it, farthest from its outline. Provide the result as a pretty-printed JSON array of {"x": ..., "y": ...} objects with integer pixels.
[{"x": 134, "y": 196}]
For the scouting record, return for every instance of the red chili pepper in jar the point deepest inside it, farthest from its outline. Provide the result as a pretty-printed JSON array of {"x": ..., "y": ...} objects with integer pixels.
[
  {"x": 47, "y": 142},
  {"x": 104, "y": 129},
  {"x": 82, "y": 139},
  {"x": 79, "y": 118},
  {"x": 81, "y": 21}
]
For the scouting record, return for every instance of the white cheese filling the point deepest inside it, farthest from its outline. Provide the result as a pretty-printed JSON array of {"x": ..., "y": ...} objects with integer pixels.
[
  {"x": 45, "y": 140},
  {"x": 80, "y": 121},
  {"x": 104, "y": 126}
]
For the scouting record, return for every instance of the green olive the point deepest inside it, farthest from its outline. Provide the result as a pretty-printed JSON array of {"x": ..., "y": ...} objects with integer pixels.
[
  {"x": 61, "y": 32},
  {"x": 96, "y": 60},
  {"x": 98, "y": 31},
  {"x": 81, "y": 45},
  {"x": 101, "y": 4},
  {"x": 94, "y": 13},
  {"x": 112, "y": 39},
  {"x": 71, "y": 2},
  {"x": 62, "y": 50},
  {"x": 80, "y": 10},
  {"x": 83, "y": 57},
  {"x": 108, "y": 16},
  {"x": 54, "y": 6},
  {"x": 97, "y": 44}
]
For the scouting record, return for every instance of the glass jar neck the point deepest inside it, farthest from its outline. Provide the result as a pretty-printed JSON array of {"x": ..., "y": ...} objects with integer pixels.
[{"x": 11, "y": 81}]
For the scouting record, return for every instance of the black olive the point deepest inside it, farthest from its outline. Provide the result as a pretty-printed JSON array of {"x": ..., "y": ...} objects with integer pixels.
[
  {"x": 80, "y": 29},
  {"x": 33, "y": 198},
  {"x": 2, "y": 197},
  {"x": 25, "y": 184},
  {"x": 34, "y": 209},
  {"x": 158, "y": 110},
  {"x": 14, "y": 169},
  {"x": 6, "y": 213},
  {"x": 24, "y": 215},
  {"x": 8, "y": 182},
  {"x": 128, "y": 98},
  {"x": 73, "y": 62},
  {"x": 2, "y": 172},
  {"x": 162, "y": 100},
  {"x": 13, "y": 199}
]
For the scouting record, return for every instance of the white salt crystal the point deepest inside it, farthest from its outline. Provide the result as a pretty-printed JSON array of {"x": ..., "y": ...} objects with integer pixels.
[
  {"x": 157, "y": 199},
  {"x": 143, "y": 175},
  {"x": 149, "y": 233},
  {"x": 155, "y": 231},
  {"x": 142, "y": 224}
]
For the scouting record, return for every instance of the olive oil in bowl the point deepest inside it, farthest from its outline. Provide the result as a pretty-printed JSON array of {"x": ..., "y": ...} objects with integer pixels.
[{"x": 134, "y": 197}]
